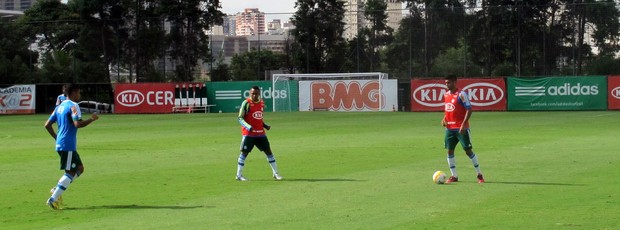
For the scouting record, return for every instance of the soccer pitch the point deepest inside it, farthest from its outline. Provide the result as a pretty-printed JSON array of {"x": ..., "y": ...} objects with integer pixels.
[{"x": 544, "y": 170}]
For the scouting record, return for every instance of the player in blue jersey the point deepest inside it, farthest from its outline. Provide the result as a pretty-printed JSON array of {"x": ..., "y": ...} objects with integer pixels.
[
  {"x": 69, "y": 118},
  {"x": 63, "y": 96}
]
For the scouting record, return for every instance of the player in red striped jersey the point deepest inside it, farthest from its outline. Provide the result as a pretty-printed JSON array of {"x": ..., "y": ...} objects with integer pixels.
[
  {"x": 253, "y": 130},
  {"x": 457, "y": 111}
]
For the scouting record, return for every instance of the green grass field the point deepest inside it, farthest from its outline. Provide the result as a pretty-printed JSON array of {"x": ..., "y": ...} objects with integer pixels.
[{"x": 544, "y": 170}]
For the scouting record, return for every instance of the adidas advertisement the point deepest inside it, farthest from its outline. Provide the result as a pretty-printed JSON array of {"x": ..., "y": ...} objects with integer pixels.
[
  {"x": 227, "y": 96},
  {"x": 557, "y": 93}
]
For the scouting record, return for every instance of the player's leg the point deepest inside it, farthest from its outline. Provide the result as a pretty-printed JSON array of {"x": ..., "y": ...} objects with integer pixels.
[
  {"x": 465, "y": 140},
  {"x": 263, "y": 145},
  {"x": 72, "y": 164},
  {"x": 247, "y": 144},
  {"x": 451, "y": 140}
]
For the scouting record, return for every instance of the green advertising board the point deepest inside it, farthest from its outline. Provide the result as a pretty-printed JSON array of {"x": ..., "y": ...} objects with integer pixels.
[
  {"x": 227, "y": 96},
  {"x": 557, "y": 93}
]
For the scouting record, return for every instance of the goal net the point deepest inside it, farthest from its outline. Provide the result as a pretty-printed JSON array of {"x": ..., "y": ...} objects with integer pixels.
[{"x": 335, "y": 92}]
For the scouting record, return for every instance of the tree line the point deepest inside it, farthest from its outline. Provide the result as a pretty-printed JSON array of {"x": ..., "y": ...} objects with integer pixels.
[{"x": 85, "y": 41}]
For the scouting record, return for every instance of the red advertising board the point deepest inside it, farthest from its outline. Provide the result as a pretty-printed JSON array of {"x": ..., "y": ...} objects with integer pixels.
[
  {"x": 144, "y": 98},
  {"x": 484, "y": 94},
  {"x": 613, "y": 96}
]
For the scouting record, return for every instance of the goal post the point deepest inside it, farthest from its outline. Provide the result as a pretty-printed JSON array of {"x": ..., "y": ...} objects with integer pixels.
[{"x": 333, "y": 92}]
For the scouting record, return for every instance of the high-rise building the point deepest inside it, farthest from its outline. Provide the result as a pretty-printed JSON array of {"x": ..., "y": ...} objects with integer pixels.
[
  {"x": 18, "y": 5},
  {"x": 229, "y": 25},
  {"x": 250, "y": 22},
  {"x": 354, "y": 18}
]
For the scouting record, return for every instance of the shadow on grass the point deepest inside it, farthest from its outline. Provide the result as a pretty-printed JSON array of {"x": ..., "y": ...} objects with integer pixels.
[
  {"x": 531, "y": 183},
  {"x": 318, "y": 180},
  {"x": 135, "y": 206}
]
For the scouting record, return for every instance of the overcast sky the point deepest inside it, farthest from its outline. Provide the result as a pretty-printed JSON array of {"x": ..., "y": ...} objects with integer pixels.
[{"x": 274, "y": 9}]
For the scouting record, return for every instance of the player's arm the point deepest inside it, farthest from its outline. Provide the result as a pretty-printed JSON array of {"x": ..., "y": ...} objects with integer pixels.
[
  {"x": 444, "y": 123},
  {"x": 48, "y": 124},
  {"x": 83, "y": 123},
  {"x": 77, "y": 117},
  {"x": 50, "y": 129},
  {"x": 242, "y": 111},
  {"x": 267, "y": 127},
  {"x": 465, "y": 101}
]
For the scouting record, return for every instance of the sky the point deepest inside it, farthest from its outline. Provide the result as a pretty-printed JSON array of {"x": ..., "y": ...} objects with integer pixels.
[{"x": 274, "y": 9}]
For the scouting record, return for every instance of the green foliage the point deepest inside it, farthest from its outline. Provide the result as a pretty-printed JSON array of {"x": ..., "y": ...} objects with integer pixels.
[
  {"x": 17, "y": 61},
  {"x": 403, "y": 56},
  {"x": 130, "y": 34},
  {"x": 603, "y": 65},
  {"x": 345, "y": 171},
  {"x": 188, "y": 42},
  {"x": 318, "y": 32},
  {"x": 455, "y": 61},
  {"x": 253, "y": 64}
]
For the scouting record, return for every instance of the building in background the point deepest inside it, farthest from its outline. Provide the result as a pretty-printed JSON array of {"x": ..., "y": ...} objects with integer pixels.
[
  {"x": 275, "y": 27},
  {"x": 225, "y": 47},
  {"x": 17, "y": 5},
  {"x": 250, "y": 22},
  {"x": 229, "y": 25},
  {"x": 355, "y": 20}
]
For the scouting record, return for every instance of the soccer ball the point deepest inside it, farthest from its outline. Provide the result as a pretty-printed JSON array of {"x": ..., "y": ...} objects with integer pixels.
[{"x": 439, "y": 177}]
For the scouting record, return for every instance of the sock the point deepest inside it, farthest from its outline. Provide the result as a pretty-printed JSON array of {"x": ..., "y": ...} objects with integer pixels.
[
  {"x": 240, "y": 164},
  {"x": 272, "y": 162},
  {"x": 452, "y": 164},
  {"x": 63, "y": 184},
  {"x": 474, "y": 161}
]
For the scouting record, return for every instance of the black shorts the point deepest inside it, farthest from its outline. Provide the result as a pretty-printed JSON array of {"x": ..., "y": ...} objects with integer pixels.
[
  {"x": 248, "y": 143},
  {"x": 69, "y": 160}
]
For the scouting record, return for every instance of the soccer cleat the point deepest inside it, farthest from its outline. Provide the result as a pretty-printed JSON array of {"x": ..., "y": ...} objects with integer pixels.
[
  {"x": 59, "y": 200},
  {"x": 480, "y": 179},
  {"x": 241, "y": 178},
  {"x": 53, "y": 204},
  {"x": 277, "y": 177},
  {"x": 452, "y": 179}
]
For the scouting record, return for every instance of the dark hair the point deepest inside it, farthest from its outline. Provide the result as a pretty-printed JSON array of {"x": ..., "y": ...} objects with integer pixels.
[
  {"x": 71, "y": 88},
  {"x": 255, "y": 87},
  {"x": 451, "y": 77}
]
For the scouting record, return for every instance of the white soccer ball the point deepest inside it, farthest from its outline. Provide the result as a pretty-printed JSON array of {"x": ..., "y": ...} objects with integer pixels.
[{"x": 439, "y": 177}]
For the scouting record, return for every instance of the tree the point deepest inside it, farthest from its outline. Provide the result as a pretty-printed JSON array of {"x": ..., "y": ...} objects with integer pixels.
[
  {"x": 188, "y": 42},
  {"x": 17, "y": 62},
  {"x": 403, "y": 57},
  {"x": 243, "y": 66},
  {"x": 379, "y": 34},
  {"x": 318, "y": 30},
  {"x": 455, "y": 61},
  {"x": 443, "y": 25}
]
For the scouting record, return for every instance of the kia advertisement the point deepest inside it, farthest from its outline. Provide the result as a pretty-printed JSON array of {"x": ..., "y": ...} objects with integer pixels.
[
  {"x": 613, "y": 98},
  {"x": 484, "y": 94},
  {"x": 144, "y": 98}
]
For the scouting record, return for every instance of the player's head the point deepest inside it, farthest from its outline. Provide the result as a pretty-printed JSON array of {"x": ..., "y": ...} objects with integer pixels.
[
  {"x": 73, "y": 92},
  {"x": 64, "y": 89},
  {"x": 451, "y": 82},
  {"x": 255, "y": 93}
]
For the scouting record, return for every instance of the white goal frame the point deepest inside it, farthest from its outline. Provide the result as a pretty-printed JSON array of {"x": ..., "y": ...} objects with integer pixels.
[{"x": 326, "y": 76}]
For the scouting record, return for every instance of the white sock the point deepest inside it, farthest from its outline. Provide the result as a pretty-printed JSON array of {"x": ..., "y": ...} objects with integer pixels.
[
  {"x": 474, "y": 161},
  {"x": 272, "y": 162},
  {"x": 63, "y": 184},
  {"x": 240, "y": 164},
  {"x": 452, "y": 164}
]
